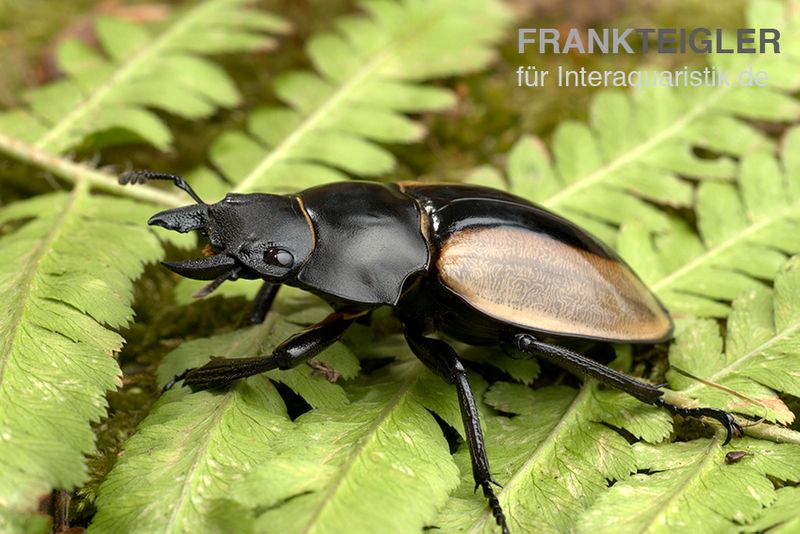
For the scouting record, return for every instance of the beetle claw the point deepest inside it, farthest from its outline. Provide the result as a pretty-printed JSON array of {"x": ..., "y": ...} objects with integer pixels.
[{"x": 726, "y": 419}]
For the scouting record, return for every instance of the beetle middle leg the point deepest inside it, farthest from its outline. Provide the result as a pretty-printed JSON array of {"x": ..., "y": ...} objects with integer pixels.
[
  {"x": 581, "y": 365},
  {"x": 222, "y": 372},
  {"x": 443, "y": 360}
]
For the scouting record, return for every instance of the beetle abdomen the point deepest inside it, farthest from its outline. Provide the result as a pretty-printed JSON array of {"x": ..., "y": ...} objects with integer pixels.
[{"x": 530, "y": 279}]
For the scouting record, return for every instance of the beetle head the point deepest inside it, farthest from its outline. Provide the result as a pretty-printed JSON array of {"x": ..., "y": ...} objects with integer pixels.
[{"x": 250, "y": 236}]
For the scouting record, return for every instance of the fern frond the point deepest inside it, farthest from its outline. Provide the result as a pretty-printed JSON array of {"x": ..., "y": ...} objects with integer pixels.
[
  {"x": 68, "y": 264},
  {"x": 195, "y": 447},
  {"x": 760, "y": 357},
  {"x": 379, "y": 462},
  {"x": 109, "y": 96},
  {"x": 689, "y": 487},
  {"x": 551, "y": 459},
  {"x": 747, "y": 229},
  {"x": 783, "y": 516},
  {"x": 634, "y": 153},
  {"x": 370, "y": 73}
]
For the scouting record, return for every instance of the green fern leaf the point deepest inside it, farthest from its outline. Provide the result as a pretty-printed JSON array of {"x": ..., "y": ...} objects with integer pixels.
[
  {"x": 689, "y": 487},
  {"x": 382, "y": 460},
  {"x": 761, "y": 354},
  {"x": 369, "y": 74},
  {"x": 551, "y": 459},
  {"x": 637, "y": 147},
  {"x": 782, "y": 516},
  {"x": 109, "y": 96},
  {"x": 71, "y": 261},
  {"x": 746, "y": 231},
  {"x": 196, "y": 447}
]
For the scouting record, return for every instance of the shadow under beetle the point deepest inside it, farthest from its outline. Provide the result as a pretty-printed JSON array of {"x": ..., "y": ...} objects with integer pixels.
[{"x": 483, "y": 266}]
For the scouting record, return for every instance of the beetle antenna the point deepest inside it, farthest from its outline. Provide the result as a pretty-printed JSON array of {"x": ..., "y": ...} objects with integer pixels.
[{"x": 140, "y": 177}]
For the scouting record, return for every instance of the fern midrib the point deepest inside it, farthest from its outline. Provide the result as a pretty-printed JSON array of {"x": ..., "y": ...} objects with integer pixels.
[
  {"x": 544, "y": 447},
  {"x": 330, "y": 493},
  {"x": 634, "y": 154},
  {"x": 310, "y": 122},
  {"x": 189, "y": 480},
  {"x": 728, "y": 369},
  {"x": 77, "y": 173},
  {"x": 217, "y": 415},
  {"x": 718, "y": 249},
  {"x": 125, "y": 71},
  {"x": 42, "y": 249},
  {"x": 690, "y": 477}
]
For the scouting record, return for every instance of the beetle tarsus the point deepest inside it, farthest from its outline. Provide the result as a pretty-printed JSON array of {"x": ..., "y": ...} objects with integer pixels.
[
  {"x": 494, "y": 504},
  {"x": 175, "y": 379},
  {"x": 727, "y": 421},
  {"x": 221, "y": 373}
]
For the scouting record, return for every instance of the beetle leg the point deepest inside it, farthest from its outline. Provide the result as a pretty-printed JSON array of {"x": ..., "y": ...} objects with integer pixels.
[
  {"x": 222, "y": 372},
  {"x": 581, "y": 365},
  {"x": 443, "y": 360},
  {"x": 262, "y": 303}
]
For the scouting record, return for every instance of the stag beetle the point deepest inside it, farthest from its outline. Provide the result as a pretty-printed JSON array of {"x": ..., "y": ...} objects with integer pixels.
[{"x": 483, "y": 266}]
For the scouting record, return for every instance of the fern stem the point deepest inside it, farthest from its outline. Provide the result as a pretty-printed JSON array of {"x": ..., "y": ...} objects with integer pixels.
[
  {"x": 78, "y": 173},
  {"x": 776, "y": 433}
]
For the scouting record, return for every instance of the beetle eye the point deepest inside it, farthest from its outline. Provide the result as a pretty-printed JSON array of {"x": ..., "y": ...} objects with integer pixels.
[{"x": 278, "y": 257}]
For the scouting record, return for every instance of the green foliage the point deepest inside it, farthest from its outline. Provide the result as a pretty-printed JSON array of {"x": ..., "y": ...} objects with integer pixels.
[
  {"x": 368, "y": 453},
  {"x": 761, "y": 354},
  {"x": 746, "y": 230},
  {"x": 689, "y": 486},
  {"x": 369, "y": 73},
  {"x": 330, "y": 483},
  {"x": 633, "y": 157},
  {"x": 551, "y": 460},
  {"x": 209, "y": 442},
  {"x": 781, "y": 517},
  {"x": 65, "y": 282},
  {"x": 110, "y": 96}
]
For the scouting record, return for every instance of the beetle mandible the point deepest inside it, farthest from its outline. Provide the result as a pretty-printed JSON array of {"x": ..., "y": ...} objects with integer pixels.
[{"x": 480, "y": 265}]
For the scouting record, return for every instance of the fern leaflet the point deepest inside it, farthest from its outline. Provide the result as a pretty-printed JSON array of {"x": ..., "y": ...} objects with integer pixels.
[
  {"x": 106, "y": 97},
  {"x": 690, "y": 487}
]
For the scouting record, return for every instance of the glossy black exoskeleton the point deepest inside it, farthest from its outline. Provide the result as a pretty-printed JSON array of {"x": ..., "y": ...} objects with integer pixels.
[{"x": 481, "y": 265}]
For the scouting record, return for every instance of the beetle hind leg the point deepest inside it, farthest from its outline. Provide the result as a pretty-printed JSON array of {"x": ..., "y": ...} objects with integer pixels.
[
  {"x": 581, "y": 365},
  {"x": 443, "y": 360}
]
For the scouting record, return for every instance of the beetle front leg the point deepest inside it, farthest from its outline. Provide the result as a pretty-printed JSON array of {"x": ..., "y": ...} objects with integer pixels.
[
  {"x": 222, "y": 372},
  {"x": 443, "y": 360},
  {"x": 262, "y": 303},
  {"x": 581, "y": 365}
]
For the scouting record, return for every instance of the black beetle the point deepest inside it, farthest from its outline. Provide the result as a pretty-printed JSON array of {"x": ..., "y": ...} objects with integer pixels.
[{"x": 480, "y": 265}]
